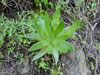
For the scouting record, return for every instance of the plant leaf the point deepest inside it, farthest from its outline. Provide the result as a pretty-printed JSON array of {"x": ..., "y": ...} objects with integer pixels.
[
  {"x": 39, "y": 54},
  {"x": 32, "y": 35},
  {"x": 45, "y": 2},
  {"x": 49, "y": 49},
  {"x": 40, "y": 28},
  {"x": 56, "y": 55},
  {"x": 47, "y": 22},
  {"x": 38, "y": 45},
  {"x": 60, "y": 27},
  {"x": 64, "y": 46},
  {"x": 52, "y": 33},
  {"x": 40, "y": 31},
  {"x": 40, "y": 21},
  {"x": 47, "y": 25},
  {"x": 69, "y": 30},
  {"x": 56, "y": 17}
]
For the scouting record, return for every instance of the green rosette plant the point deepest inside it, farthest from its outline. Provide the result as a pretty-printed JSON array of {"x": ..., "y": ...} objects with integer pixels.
[{"x": 52, "y": 36}]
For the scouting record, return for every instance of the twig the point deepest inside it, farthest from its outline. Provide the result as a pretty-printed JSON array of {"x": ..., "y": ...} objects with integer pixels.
[{"x": 94, "y": 26}]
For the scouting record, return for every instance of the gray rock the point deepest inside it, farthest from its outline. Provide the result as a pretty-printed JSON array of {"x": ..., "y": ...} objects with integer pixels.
[
  {"x": 23, "y": 68},
  {"x": 75, "y": 64}
]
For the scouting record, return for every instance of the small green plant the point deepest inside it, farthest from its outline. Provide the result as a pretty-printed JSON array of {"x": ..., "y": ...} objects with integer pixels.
[
  {"x": 1, "y": 55},
  {"x": 52, "y": 36},
  {"x": 3, "y": 2},
  {"x": 92, "y": 66},
  {"x": 16, "y": 33},
  {"x": 40, "y": 3},
  {"x": 43, "y": 65}
]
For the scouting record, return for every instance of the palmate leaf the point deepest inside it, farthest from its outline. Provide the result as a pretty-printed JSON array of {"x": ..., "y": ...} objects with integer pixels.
[
  {"x": 39, "y": 54},
  {"x": 56, "y": 17},
  {"x": 38, "y": 45},
  {"x": 69, "y": 30},
  {"x": 56, "y": 55},
  {"x": 64, "y": 46}
]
